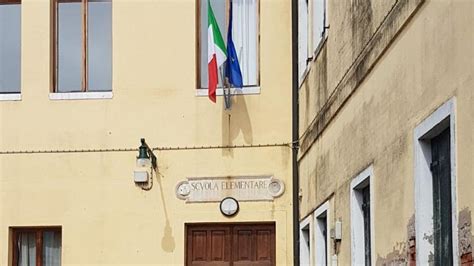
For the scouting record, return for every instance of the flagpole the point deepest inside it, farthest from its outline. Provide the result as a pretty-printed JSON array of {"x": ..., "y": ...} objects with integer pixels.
[{"x": 225, "y": 90}]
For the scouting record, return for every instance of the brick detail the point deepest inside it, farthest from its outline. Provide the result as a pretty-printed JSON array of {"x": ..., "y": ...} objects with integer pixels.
[
  {"x": 412, "y": 252},
  {"x": 466, "y": 259}
]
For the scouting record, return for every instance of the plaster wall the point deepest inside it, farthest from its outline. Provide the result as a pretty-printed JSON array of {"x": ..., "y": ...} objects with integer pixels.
[
  {"x": 427, "y": 64},
  {"x": 105, "y": 218}
]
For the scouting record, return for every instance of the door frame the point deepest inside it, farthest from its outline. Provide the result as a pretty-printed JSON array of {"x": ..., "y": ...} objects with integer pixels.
[{"x": 442, "y": 118}]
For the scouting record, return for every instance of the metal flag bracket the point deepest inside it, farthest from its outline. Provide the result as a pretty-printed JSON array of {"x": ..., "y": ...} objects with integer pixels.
[{"x": 226, "y": 91}]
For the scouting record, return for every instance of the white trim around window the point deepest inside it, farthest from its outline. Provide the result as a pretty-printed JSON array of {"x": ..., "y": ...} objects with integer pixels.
[
  {"x": 81, "y": 95},
  {"x": 305, "y": 241},
  {"x": 435, "y": 123},
  {"x": 357, "y": 220},
  {"x": 322, "y": 252},
  {"x": 10, "y": 96},
  {"x": 233, "y": 91}
]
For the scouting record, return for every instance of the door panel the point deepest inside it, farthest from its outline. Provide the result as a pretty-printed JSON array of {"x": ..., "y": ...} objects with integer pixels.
[
  {"x": 242, "y": 244},
  {"x": 442, "y": 224},
  {"x": 264, "y": 245},
  {"x": 199, "y": 249},
  {"x": 230, "y": 244},
  {"x": 208, "y": 246},
  {"x": 218, "y": 243},
  {"x": 253, "y": 245}
]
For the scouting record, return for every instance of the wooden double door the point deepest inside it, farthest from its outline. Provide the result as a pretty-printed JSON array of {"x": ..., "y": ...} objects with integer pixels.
[{"x": 230, "y": 244}]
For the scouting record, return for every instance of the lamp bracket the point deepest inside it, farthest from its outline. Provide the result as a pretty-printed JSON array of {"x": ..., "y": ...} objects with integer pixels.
[{"x": 150, "y": 152}]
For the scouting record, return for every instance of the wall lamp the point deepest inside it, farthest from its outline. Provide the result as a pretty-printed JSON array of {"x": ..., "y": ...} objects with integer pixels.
[{"x": 146, "y": 159}]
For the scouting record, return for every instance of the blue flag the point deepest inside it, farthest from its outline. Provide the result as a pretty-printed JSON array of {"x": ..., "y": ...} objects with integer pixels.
[{"x": 232, "y": 68}]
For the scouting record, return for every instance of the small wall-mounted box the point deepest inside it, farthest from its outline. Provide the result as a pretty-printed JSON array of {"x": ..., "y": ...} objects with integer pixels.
[
  {"x": 140, "y": 176},
  {"x": 336, "y": 232}
]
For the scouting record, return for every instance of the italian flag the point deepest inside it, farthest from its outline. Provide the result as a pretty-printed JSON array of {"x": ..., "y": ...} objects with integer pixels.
[{"x": 216, "y": 54}]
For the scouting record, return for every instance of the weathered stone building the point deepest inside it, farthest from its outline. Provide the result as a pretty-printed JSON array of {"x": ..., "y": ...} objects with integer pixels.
[{"x": 386, "y": 107}]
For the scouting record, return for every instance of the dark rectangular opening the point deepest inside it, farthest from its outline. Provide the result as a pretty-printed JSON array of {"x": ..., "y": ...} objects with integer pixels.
[
  {"x": 365, "y": 192},
  {"x": 442, "y": 202}
]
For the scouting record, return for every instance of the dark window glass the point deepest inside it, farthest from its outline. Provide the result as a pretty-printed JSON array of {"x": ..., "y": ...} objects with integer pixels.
[
  {"x": 10, "y": 47},
  {"x": 99, "y": 45},
  {"x": 37, "y": 247},
  {"x": 69, "y": 47},
  {"x": 366, "y": 211},
  {"x": 84, "y": 45}
]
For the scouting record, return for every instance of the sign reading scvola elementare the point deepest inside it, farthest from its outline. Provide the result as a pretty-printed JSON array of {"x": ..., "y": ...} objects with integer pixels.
[{"x": 242, "y": 188}]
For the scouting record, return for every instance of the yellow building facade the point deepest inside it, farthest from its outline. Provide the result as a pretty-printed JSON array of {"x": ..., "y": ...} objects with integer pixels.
[
  {"x": 386, "y": 82},
  {"x": 67, "y": 160}
]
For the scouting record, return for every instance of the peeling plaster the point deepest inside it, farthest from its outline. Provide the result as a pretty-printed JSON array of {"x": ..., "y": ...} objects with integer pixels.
[
  {"x": 400, "y": 254},
  {"x": 411, "y": 233},
  {"x": 396, "y": 257},
  {"x": 430, "y": 238},
  {"x": 464, "y": 232}
]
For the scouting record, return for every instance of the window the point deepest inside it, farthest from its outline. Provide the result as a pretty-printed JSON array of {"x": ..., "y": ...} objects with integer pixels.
[
  {"x": 36, "y": 246},
  {"x": 361, "y": 218},
  {"x": 311, "y": 31},
  {"x": 82, "y": 45},
  {"x": 435, "y": 188},
  {"x": 245, "y": 34},
  {"x": 305, "y": 242},
  {"x": 303, "y": 9},
  {"x": 321, "y": 235},
  {"x": 10, "y": 46},
  {"x": 318, "y": 11}
]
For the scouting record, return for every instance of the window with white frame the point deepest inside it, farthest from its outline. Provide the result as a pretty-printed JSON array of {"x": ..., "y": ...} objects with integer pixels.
[
  {"x": 361, "y": 218},
  {"x": 10, "y": 46},
  {"x": 311, "y": 31},
  {"x": 305, "y": 242},
  {"x": 245, "y": 35}
]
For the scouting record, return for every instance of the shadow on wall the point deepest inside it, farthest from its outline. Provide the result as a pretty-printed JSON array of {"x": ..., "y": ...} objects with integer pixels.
[
  {"x": 234, "y": 122},
  {"x": 168, "y": 242}
]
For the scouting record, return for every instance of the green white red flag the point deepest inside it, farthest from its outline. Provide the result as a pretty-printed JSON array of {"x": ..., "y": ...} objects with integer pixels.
[{"x": 216, "y": 52}]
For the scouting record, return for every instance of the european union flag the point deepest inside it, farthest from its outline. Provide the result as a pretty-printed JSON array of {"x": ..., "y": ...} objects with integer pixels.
[{"x": 232, "y": 68}]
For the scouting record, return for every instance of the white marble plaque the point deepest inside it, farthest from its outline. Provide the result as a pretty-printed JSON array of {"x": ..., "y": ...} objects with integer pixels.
[{"x": 242, "y": 188}]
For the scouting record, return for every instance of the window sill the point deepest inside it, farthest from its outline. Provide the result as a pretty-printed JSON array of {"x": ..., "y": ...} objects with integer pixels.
[
  {"x": 233, "y": 91},
  {"x": 81, "y": 95},
  {"x": 10, "y": 97}
]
